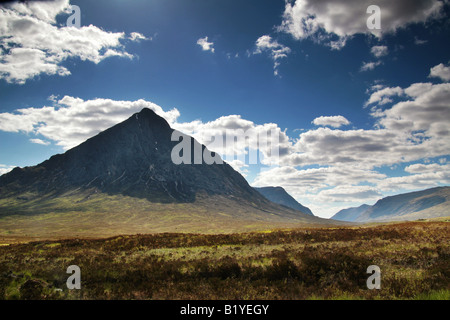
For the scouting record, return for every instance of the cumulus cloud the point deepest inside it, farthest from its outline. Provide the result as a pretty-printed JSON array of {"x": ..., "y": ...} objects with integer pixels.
[
  {"x": 39, "y": 141},
  {"x": 419, "y": 42},
  {"x": 350, "y": 194},
  {"x": 427, "y": 168},
  {"x": 32, "y": 44},
  {"x": 421, "y": 176},
  {"x": 382, "y": 95},
  {"x": 367, "y": 66},
  {"x": 440, "y": 71},
  {"x": 302, "y": 181},
  {"x": 206, "y": 46},
  {"x": 379, "y": 51},
  {"x": 362, "y": 148},
  {"x": 239, "y": 139},
  {"x": 332, "y": 22},
  {"x": 276, "y": 50},
  {"x": 425, "y": 116},
  {"x": 333, "y": 121}
]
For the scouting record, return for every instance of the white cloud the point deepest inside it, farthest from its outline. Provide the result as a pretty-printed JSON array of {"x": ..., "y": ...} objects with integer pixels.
[
  {"x": 417, "y": 89},
  {"x": 379, "y": 51},
  {"x": 239, "y": 139},
  {"x": 362, "y": 148},
  {"x": 383, "y": 95},
  {"x": 5, "y": 169},
  {"x": 310, "y": 181},
  {"x": 419, "y": 42},
  {"x": 349, "y": 193},
  {"x": 39, "y": 141},
  {"x": 440, "y": 71},
  {"x": 136, "y": 36},
  {"x": 427, "y": 168},
  {"x": 332, "y": 22},
  {"x": 421, "y": 176},
  {"x": 32, "y": 43},
  {"x": 367, "y": 66},
  {"x": 333, "y": 121},
  {"x": 425, "y": 117},
  {"x": 42, "y": 10},
  {"x": 206, "y": 46},
  {"x": 276, "y": 50}
]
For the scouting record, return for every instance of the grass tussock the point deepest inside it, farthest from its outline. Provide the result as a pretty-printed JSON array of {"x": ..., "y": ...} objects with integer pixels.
[{"x": 294, "y": 264}]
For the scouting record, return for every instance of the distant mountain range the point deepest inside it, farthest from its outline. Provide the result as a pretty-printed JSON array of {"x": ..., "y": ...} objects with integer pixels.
[
  {"x": 430, "y": 203},
  {"x": 123, "y": 180},
  {"x": 350, "y": 214},
  {"x": 280, "y": 196}
]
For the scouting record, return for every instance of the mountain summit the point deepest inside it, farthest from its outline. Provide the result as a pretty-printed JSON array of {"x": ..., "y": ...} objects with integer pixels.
[{"x": 132, "y": 158}]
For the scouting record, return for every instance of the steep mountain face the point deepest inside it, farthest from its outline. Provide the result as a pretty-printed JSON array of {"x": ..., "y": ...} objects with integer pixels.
[
  {"x": 132, "y": 158},
  {"x": 430, "y": 203},
  {"x": 350, "y": 214},
  {"x": 280, "y": 196}
]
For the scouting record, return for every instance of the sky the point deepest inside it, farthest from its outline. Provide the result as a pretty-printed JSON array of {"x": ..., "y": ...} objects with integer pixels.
[{"x": 359, "y": 111}]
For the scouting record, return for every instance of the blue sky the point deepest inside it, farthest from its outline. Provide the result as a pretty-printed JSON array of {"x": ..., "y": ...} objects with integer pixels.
[{"x": 363, "y": 113}]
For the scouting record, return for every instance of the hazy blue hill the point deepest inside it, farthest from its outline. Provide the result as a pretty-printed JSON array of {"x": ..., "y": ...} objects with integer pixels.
[{"x": 350, "y": 214}]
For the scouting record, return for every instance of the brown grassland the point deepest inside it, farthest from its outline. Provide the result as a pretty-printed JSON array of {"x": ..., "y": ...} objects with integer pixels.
[{"x": 304, "y": 263}]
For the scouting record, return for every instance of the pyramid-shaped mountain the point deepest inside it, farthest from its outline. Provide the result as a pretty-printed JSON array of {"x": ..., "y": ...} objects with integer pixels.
[{"x": 132, "y": 158}]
